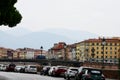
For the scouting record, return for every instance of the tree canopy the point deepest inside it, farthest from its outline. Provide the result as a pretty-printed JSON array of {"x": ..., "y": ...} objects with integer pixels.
[{"x": 9, "y": 15}]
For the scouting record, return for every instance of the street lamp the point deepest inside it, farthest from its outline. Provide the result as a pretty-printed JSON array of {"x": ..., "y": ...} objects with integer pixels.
[
  {"x": 41, "y": 49},
  {"x": 103, "y": 44},
  {"x": 86, "y": 56},
  {"x": 65, "y": 46},
  {"x": 93, "y": 54}
]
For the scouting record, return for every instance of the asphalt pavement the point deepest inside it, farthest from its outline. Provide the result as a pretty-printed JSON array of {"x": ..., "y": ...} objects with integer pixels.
[{"x": 22, "y": 76}]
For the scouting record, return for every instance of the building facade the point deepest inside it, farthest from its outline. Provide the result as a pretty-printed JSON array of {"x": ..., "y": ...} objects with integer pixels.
[
  {"x": 58, "y": 51},
  {"x": 93, "y": 50}
]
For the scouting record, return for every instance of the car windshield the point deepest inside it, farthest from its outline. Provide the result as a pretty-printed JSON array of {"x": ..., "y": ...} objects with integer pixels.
[
  {"x": 74, "y": 69},
  {"x": 32, "y": 66},
  {"x": 96, "y": 72},
  {"x": 19, "y": 66},
  {"x": 62, "y": 67}
]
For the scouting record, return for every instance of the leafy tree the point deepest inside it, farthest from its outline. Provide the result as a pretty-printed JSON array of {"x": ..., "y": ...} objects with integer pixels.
[{"x": 9, "y": 15}]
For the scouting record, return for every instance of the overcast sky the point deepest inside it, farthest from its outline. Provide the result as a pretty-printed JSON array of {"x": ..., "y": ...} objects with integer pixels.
[{"x": 101, "y": 17}]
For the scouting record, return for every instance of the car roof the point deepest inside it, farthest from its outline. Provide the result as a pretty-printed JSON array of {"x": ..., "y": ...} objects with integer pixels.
[{"x": 73, "y": 68}]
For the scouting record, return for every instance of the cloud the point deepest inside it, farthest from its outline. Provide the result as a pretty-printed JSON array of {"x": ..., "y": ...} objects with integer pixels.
[{"x": 97, "y": 16}]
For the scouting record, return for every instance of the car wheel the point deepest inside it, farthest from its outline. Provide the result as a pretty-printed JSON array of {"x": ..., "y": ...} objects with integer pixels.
[
  {"x": 76, "y": 78},
  {"x": 64, "y": 77},
  {"x": 83, "y": 78},
  {"x": 67, "y": 78}
]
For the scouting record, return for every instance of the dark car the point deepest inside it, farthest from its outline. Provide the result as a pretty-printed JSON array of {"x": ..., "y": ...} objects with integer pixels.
[
  {"x": 79, "y": 73},
  {"x": 45, "y": 70},
  {"x": 92, "y": 74},
  {"x": 11, "y": 67}
]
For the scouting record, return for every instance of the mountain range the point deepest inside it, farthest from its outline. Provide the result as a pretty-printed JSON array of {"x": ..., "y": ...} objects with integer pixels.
[{"x": 20, "y": 38}]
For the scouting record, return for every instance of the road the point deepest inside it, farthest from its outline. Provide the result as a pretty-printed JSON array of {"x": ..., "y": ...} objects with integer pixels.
[{"x": 23, "y": 76}]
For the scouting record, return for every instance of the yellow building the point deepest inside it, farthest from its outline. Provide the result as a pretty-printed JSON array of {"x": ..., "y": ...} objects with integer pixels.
[
  {"x": 3, "y": 53},
  {"x": 81, "y": 51},
  {"x": 78, "y": 55},
  {"x": 109, "y": 52}
]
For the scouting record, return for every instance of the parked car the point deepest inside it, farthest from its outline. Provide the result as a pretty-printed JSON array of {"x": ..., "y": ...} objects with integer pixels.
[
  {"x": 79, "y": 73},
  {"x": 18, "y": 67},
  {"x": 31, "y": 68},
  {"x": 11, "y": 67},
  {"x": 3, "y": 67},
  {"x": 22, "y": 70},
  {"x": 50, "y": 72},
  {"x": 45, "y": 70},
  {"x": 92, "y": 74},
  {"x": 70, "y": 73},
  {"x": 59, "y": 71}
]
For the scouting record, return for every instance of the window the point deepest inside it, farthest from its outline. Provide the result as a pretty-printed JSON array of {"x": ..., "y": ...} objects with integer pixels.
[
  {"x": 102, "y": 52},
  {"x": 106, "y": 48},
  {"x": 106, "y": 56},
  {"x": 97, "y": 44},
  {"x": 101, "y": 47},
  {"x": 110, "y": 56},
  {"x": 106, "y": 52},
  {"x": 110, "y": 44},
  {"x": 110, "y": 48},
  {"x": 110, "y": 60},
  {"x": 97, "y": 47},
  {"x": 106, "y": 44},
  {"x": 97, "y": 52},
  {"x": 110, "y": 52}
]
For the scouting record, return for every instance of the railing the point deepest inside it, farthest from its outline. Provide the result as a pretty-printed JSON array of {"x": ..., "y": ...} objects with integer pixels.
[{"x": 46, "y": 61}]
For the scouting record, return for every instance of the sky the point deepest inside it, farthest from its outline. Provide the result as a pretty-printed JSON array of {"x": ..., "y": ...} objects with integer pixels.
[{"x": 101, "y": 17}]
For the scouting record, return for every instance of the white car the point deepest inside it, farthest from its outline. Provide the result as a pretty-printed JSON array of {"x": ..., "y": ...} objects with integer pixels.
[
  {"x": 18, "y": 67},
  {"x": 31, "y": 68},
  {"x": 3, "y": 67},
  {"x": 51, "y": 70},
  {"x": 70, "y": 73}
]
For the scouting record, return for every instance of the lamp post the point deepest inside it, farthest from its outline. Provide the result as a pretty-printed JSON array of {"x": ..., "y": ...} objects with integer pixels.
[
  {"x": 41, "y": 49},
  {"x": 119, "y": 59},
  {"x": 93, "y": 54},
  {"x": 86, "y": 56},
  {"x": 119, "y": 64},
  {"x": 65, "y": 56},
  {"x": 103, "y": 44}
]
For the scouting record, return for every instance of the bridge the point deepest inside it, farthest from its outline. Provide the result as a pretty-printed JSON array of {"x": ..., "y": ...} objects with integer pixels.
[{"x": 44, "y": 62}]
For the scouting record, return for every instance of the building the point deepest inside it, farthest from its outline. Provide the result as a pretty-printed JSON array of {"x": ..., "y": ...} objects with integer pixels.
[
  {"x": 81, "y": 51},
  {"x": 58, "y": 51},
  {"x": 70, "y": 51},
  {"x": 3, "y": 53},
  {"x": 93, "y": 50}
]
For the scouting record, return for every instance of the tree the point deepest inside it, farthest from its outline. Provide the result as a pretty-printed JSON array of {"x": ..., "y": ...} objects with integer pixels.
[{"x": 9, "y": 15}]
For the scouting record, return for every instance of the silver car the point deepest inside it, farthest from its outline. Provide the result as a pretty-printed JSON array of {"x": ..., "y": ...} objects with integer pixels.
[
  {"x": 70, "y": 73},
  {"x": 31, "y": 68}
]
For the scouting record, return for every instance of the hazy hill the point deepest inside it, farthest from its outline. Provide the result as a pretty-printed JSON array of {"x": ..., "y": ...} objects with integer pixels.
[{"x": 16, "y": 39}]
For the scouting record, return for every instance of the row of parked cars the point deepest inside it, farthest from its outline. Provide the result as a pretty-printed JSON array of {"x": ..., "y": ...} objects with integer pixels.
[
  {"x": 18, "y": 68},
  {"x": 74, "y": 73}
]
